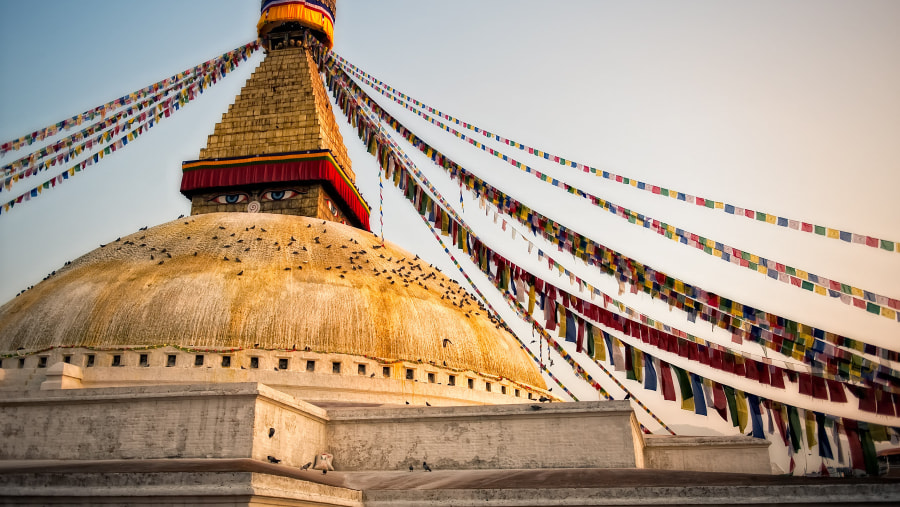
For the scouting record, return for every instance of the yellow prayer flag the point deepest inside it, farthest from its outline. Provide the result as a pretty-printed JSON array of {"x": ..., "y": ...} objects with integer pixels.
[
  {"x": 771, "y": 218},
  {"x": 803, "y": 275},
  {"x": 810, "y": 429},
  {"x": 741, "y": 409},
  {"x": 857, "y": 292},
  {"x": 561, "y": 318},
  {"x": 833, "y": 233},
  {"x": 720, "y": 205},
  {"x": 820, "y": 290},
  {"x": 599, "y": 345},
  {"x": 754, "y": 258},
  {"x": 889, "y": 313},
  {"x": 638, "y": 363}
]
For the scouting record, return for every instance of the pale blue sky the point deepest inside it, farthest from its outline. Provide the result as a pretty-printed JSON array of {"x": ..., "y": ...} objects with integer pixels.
[{"x": 786, "y": 107}]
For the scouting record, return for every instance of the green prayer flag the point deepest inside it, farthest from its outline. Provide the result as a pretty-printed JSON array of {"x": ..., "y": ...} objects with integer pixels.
[
  {"x": 794, "y": 426},
  {"x": 820, "y": 230},
  {"x": 887, "y": 245},
  {"x": 732, "y": 404},
  {"x": 868, "y": 448},
  {"x": 684, "y": 382},
  {"x": 589, "y": 332}
]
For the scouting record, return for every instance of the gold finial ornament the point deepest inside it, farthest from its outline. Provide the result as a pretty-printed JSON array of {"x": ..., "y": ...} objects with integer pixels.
[{"x": 284, "y": 15}]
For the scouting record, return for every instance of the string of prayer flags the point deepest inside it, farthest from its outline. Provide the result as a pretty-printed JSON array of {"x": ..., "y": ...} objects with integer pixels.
[
  {"x": 767, "y": 267},
  {"x": 149, "y": 117},
  {"x": 342, "y": 95},
  {"x": 225, "y": 63},
  {"x": 800, "y": 341},
  {"x": 712, "y": 204},
  {"x": 33, "y": 164},
  {"x": 508, "y": 278}
]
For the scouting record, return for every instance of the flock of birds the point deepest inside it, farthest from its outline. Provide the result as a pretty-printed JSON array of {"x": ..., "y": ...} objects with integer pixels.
[{"x": 404, "y": 271}]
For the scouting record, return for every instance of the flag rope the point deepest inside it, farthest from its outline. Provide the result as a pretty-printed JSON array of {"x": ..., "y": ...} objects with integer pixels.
[
  {"x": 101, "y": 110},
  {"x": 758, "y": 216},
  {"x": 789, "y": 275},
  {"x": 848, "y": 364}
]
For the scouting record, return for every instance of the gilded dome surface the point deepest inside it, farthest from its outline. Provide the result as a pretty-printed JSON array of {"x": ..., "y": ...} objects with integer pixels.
[{"x": 265, "y": 281}]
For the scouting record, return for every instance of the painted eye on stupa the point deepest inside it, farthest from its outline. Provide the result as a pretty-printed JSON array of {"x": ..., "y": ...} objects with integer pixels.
[
  {"x": 230, "y": 198},
  {"x": 278, "y": 195}
]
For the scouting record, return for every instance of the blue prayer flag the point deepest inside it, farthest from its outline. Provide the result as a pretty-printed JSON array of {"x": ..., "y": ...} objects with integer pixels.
[
  {"x": 824, "y": 443},
  {"x": 755, "y": 416},
  {"x": 608, "y": 347},
  {"x": 699, "y": 398},
  {"x": 571, "y": 330},
  {"x": 649, "y": 373}
]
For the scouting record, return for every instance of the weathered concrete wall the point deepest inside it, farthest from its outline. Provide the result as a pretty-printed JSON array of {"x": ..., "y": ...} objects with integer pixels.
[
  {"x": 199, "y": 421},
  {"x": 564, "y": 435},
  {"x": 299, "y": 429},
  {"x": 737, "y": 454}
]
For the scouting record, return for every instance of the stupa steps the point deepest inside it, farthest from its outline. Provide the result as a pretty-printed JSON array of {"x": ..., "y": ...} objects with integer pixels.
[{"x": 283, "y": 107}]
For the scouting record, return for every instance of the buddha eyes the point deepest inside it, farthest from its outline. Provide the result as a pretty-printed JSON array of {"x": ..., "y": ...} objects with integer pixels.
[
  {"x": 231, "y": 198},
  {"x": 268, "y": 195},
  {"x": 278, "y": 195}
]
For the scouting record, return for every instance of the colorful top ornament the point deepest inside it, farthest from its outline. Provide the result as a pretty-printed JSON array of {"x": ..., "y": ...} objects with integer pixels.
[{"x": 315, "y": 14}]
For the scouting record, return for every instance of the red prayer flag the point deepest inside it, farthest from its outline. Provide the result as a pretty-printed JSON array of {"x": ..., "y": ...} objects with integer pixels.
[
  {"x": 720, "y": 403},
  {"x": 856, "y": 454},
  {"x": 665, "y": 377},
  {"x": 819, "y": 391},
  {"x": 752, "y": 372},
  {"x": 776, "y": 377},
  {"x": 884, "y": 403},
  {"x": 805, "y": 380},
  {"x": 866, "y": 399}
]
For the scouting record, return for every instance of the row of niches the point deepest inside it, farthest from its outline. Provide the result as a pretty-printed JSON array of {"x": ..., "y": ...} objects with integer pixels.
[{"x": 296, "y": 362}]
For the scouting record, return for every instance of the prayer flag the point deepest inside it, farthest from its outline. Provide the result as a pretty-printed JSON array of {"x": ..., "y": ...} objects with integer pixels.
[{"x": 649, "y": 373}]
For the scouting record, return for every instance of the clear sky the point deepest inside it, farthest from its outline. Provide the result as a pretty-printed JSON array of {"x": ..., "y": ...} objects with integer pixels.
[{"x": 785, "y": 107}]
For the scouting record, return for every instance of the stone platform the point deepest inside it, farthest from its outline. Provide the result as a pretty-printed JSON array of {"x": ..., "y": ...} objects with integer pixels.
[
  {"x": 211, "y": 444},
  {"x": 250, "y": 482}
]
